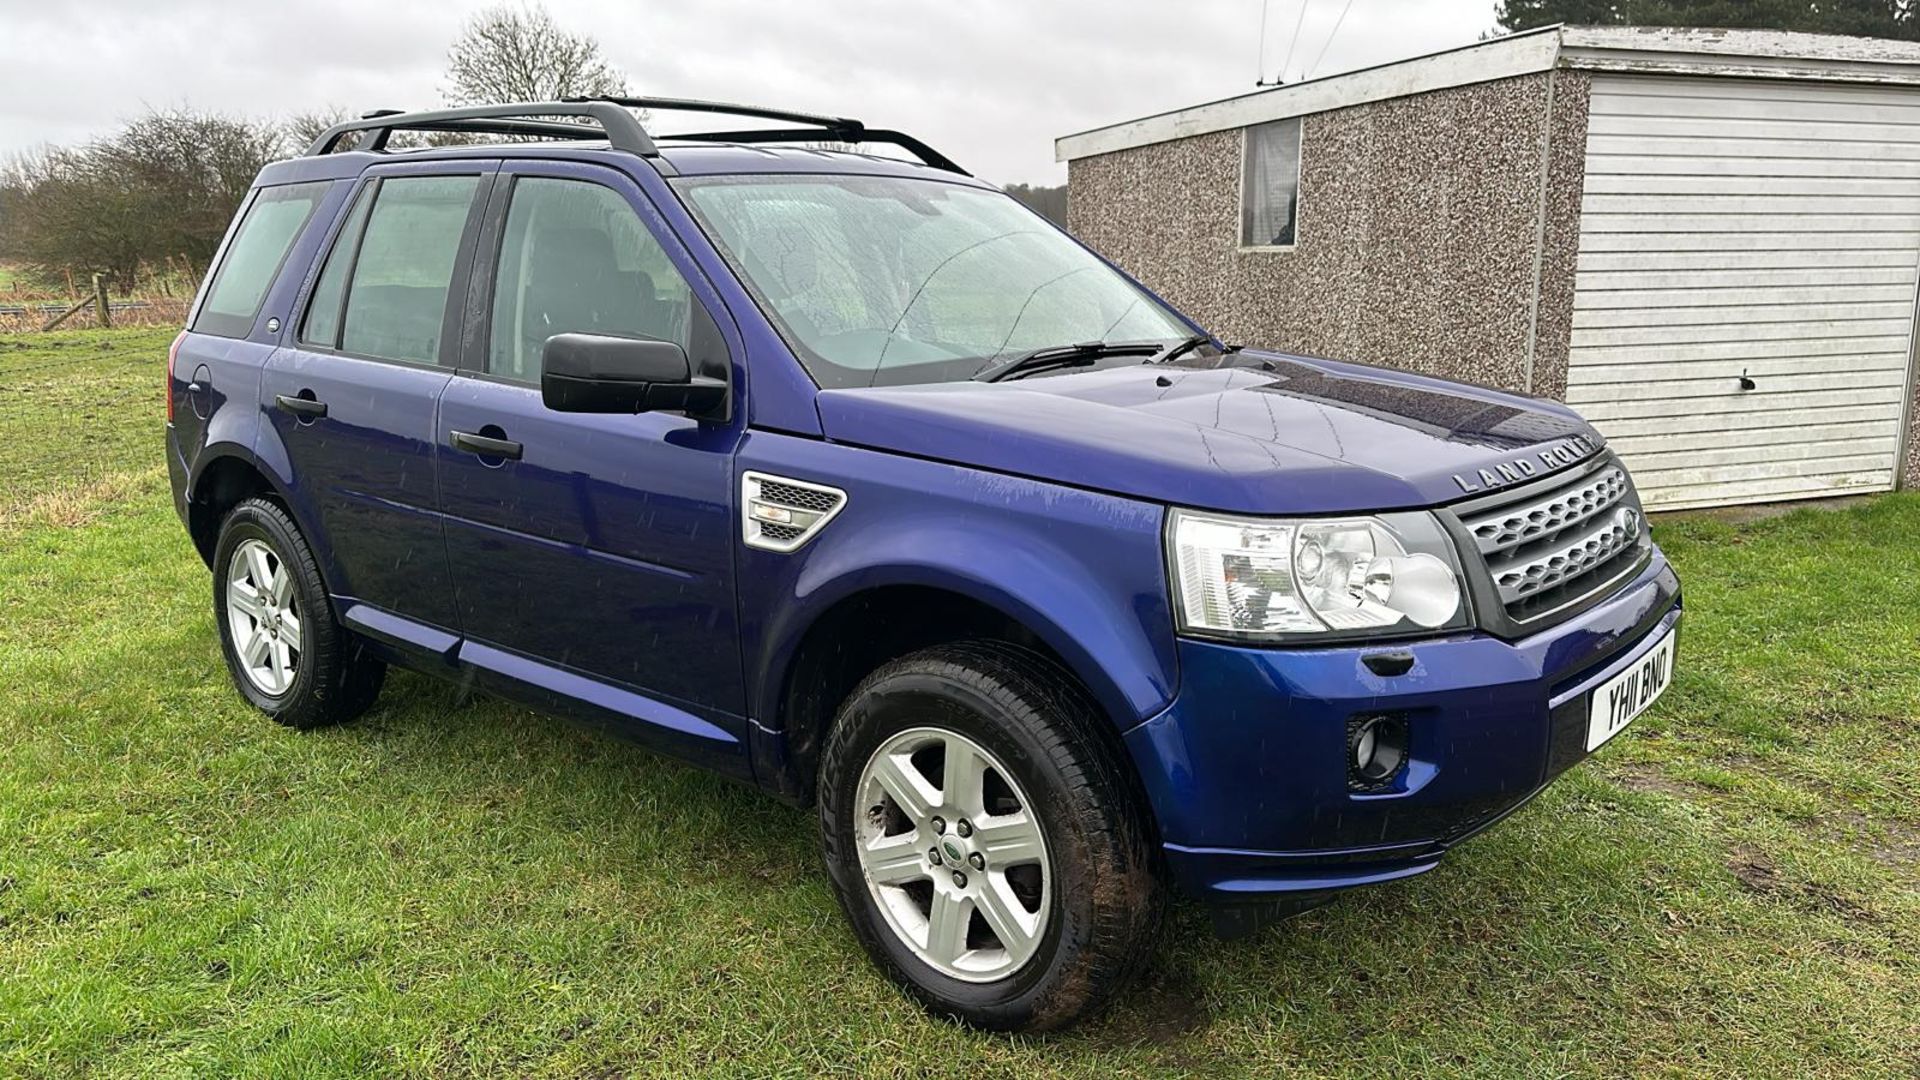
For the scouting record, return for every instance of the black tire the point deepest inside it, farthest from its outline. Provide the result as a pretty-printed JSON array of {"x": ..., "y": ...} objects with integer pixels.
[
  {"x": 1105, "y": 900},
  {"x": 335, "y": 678}
]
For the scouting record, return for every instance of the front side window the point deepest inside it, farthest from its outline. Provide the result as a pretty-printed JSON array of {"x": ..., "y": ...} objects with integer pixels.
[
  {"x": 575, "y": 258},
  {"x": 1270, "y": 184},
  {"x": 396, "y": 280},
  {"x": 885, "y": 280},
  {"x": 253, "y": 259}
]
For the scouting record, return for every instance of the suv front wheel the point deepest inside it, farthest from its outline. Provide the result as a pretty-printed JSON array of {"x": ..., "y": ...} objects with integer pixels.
[
  {"x": 983, "y": 838},
  {"x": 284, "y": 650}
]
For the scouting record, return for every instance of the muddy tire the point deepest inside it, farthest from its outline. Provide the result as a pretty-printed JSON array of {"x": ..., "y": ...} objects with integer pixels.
[{"x": 985, "y": 838}]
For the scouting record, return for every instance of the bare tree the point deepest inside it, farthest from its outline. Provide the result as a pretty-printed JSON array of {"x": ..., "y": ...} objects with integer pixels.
[
  {"x": 20, "y": 174},
  {"x": 166, "y": 185},
  {"x": 520, "y": 54},
  {"x": 303, "y": 128}
]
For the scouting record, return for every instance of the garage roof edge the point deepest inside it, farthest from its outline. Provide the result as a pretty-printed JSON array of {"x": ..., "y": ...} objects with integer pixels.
[{"x": 1648, "y": 50}]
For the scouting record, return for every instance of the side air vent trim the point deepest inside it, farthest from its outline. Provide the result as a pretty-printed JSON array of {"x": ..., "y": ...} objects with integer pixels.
[{"x": 781, "y": 514}]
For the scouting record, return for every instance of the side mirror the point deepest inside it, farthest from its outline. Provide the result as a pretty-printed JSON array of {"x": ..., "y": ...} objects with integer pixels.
[{"x": 588, "y": 373}]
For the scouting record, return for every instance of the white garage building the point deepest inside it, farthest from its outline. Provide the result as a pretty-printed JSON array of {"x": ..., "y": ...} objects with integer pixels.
[{"x": 1707, "y": 241}]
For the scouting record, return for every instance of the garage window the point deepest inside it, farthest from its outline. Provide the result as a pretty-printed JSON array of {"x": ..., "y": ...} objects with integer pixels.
[{"x": 1270, "y": 184}]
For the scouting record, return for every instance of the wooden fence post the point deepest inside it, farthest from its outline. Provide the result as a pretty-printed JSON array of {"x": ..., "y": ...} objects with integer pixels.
[{"x": 100, "y": 301}]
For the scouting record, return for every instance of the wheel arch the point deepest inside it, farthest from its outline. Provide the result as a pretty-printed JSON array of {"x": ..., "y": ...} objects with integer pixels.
[
  {"x": 223, "y": 477},
  {"x": 827, "y": 653}
]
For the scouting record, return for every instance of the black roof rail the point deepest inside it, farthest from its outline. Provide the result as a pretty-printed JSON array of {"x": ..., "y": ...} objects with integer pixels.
[
  {"x": 611, "y": 120},
  {"x": 831, "y": 128},
  {"x": 927, "y": 154},
  {"x": 696, "y": 105}
]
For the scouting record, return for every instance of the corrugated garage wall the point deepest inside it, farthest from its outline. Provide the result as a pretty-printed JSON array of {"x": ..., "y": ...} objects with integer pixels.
[{"x": 1734, "y": 227}]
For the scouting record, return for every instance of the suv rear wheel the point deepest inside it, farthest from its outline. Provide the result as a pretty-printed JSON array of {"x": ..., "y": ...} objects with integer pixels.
[
  {"x": 983, "y": 838},
  {"x": 284, "y": 650}
]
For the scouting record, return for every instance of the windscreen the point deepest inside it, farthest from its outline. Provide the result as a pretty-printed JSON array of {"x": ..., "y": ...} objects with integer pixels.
[{"x": 886, "y": 280}]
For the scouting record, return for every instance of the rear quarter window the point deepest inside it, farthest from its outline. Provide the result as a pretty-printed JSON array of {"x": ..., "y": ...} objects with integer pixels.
[{"x": 253, "y": 259}]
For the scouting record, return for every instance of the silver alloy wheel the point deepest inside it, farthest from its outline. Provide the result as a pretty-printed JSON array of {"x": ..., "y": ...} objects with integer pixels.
[
  {"x": 958, "y": 865},
  {"x": 263, "y": 619}
]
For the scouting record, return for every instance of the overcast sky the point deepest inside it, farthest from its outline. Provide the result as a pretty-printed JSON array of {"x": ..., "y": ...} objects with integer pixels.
[{"x": 989, "y": 82}]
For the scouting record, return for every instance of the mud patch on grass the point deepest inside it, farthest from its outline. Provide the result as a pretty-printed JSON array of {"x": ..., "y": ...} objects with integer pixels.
[
  {"x": 1650, "y": 780},
  {"x": 1165, "y": 1008},
  {"x": 1758, "y": 874},
  {"x": 1891, "y": 843},
  {"x": 1901, "y": 850}
]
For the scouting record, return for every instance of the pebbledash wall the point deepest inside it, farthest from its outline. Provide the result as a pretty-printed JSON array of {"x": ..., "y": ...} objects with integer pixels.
[
  {"x": 1420, "y": 231},
  {"x": 1439, "y": 230}
]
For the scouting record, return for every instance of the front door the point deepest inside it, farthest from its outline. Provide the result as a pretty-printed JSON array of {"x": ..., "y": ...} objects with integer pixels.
[
  {"x": 592, "y": 555},
  {"x": 352, "y": 395}
]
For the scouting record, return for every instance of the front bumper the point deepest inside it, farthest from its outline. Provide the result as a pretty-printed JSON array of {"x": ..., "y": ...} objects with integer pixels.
[{"x": 1246, "y": 770}]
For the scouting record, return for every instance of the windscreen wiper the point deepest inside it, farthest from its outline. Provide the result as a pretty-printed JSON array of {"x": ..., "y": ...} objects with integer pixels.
[
  {"x": 1062, "y": 356},
  {"x": 1180, "y": 348}
]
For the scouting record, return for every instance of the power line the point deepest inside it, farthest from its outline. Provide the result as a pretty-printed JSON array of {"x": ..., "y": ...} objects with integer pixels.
[
  {"x": 1297, "y": 23},
  {"x": 1260, "y": 65},
  {"x": 1335, "y": 33}
]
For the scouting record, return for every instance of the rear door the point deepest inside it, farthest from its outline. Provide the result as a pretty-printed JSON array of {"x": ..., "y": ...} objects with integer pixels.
[
  {"x": 595, "y": 558},
  {"x": 352, "y": 397}
]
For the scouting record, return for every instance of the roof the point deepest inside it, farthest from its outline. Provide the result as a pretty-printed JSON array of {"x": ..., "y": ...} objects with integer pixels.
[
  {"x": 1648, "y": 50},
  {"x": 686, "y": 159}
]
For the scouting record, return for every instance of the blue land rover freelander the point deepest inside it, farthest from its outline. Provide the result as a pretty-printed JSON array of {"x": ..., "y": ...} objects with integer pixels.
[{"x": 849, "y": 477}]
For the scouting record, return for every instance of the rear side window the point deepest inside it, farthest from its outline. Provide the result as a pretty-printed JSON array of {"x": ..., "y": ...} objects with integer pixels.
[
  {"x": 383, "y": 293},
  {"x": 575, "y": 258},
  {"x": 253, "y": 259}
]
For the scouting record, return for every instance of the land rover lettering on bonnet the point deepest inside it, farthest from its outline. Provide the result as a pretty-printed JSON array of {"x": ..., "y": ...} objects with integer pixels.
[
  {"x": 1566, "y": 453},
  {"x": 845, "y": 475}
]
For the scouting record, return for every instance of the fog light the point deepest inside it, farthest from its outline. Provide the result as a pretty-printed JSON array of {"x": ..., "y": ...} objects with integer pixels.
[{"x": 1376, "y": 752}]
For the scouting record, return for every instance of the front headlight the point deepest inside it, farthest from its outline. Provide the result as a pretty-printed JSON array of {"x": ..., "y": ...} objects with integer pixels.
[{"x": 1273, "y": 579}]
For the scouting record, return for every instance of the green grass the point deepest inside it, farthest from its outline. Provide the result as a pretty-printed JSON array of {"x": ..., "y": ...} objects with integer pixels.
[
  {"x": 456, "y": 887},
  {"x": 83, "y": 417}
]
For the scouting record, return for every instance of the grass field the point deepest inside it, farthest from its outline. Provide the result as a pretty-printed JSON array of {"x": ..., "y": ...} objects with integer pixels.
[{"x": 456, "y": 887}]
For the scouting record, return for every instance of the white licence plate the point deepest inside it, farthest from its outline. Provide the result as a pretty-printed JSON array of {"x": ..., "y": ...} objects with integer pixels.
[{"x": 1620, "y": 699}]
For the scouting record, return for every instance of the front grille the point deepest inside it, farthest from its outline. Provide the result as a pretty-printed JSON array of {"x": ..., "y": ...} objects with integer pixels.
[
  {"x": 1512, "y": 526},
  {"x": 1555, "y": 543}
]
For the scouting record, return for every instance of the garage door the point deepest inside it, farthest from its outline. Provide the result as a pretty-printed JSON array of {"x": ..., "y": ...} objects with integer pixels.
[{"x": 1736, "y": 228}]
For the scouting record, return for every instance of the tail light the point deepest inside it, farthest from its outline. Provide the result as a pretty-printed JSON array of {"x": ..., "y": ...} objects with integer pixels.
[{"x": 173, "y": 354}]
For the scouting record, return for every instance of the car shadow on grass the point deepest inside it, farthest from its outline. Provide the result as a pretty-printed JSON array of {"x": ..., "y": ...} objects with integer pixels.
[{"x": 1559, "y": 889}]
